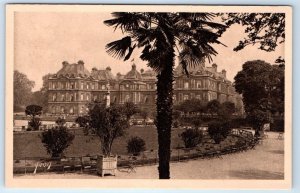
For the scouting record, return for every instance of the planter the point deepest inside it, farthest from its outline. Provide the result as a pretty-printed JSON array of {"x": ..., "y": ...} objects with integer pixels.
[{"x": 106, "y": 165}]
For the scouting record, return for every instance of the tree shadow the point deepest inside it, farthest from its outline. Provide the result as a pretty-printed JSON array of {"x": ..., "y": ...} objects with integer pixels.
[{"x": 257, "y": 174}]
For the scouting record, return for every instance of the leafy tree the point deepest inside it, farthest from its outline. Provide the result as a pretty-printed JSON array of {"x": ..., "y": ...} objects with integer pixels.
[
  {"x": 60, "y": 121},
  {"x": 218, "y": 130},
  {"x": 135, "y": 145},
  {"x": 265, "y": 29},
  {"x": 41, "y": 97},
  {"x": 82, "y": 121},
  {"x": 57, "y": 140},
  {"x": 33, "y": 111},
  {"x": 144, "y": 115},
  {"x": 22, "y": 90},
  {"x": 213, "y": 107},
  {"x": 191, "y": 137},
  {"x": 262, "y": 87},
  {"x": 191, "y": 106},
  {"x": 226, "y": 110},
  {"x": 159, "y": 36},
  {"x": 107, "y": 124},
  {"x": 130, "y": 109}
]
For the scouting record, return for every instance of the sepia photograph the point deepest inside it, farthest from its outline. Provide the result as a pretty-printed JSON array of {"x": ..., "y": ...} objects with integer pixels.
[{"x": 148, "y": 96}]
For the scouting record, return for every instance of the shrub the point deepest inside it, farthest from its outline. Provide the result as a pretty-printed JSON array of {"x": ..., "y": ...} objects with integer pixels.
[
  {"x": 218, "y": 131},
  {"x": 60, "y": 121},
  {"x": 33, "y": 111},
  {"x": 191, "y": 137},
  {"x": 34, "y": 123},
  {"x": 56, "y": 140},
  {"x": 135, "y": 145},
  {"x": 277, "y": 125}
]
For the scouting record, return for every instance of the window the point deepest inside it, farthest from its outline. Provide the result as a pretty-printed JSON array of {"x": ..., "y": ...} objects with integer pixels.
[
  {"x": 81, "y": 97},
  {"x": 103, "y": 86},
  {"x": 95, "y": 97},
  {"x": 127, "y": 98},
  {"x": 71, "y": 97},
  {"x": 63, "y": 97},
  {"x": 87, "y": 86},
  {"x": 72, "y": 85},
  {"x": 198, "y": 97},
  {"x": 87, "y": 97},
  {"x": 50, "y": 85},
  {"x": 185, "y": 97},
  {"x": 81, "y": 85},
  {"x": 71, "y": 110},
  {"x": 186, "y": 85},
  {"x": 62, "y": 109},
  {"x": 146, "y": 100},
  {"x": 54, "y": 97},
  {"x": 199, "y": 84},
  {"x": 93, "y": 86}
]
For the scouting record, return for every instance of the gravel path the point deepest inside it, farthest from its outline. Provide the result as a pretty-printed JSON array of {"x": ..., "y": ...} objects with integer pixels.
[{"x": 266, "y": 161}]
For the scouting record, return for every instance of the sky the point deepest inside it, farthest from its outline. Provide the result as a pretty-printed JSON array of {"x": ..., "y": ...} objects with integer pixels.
[{"x": 43, "y": 40}]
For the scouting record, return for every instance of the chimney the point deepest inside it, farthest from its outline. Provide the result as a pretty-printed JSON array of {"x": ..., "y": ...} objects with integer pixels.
[
  {"x": 108, "y": 68},
  {"x": 224, "y": 73},
  {"x": 65, "y": 63},
  {"x": 81, "y": 64},
  {"x": 214, "y": 65}
]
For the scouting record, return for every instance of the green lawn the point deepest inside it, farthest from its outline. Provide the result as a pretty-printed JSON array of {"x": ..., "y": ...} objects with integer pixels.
[{"x": 28, "y": 144}]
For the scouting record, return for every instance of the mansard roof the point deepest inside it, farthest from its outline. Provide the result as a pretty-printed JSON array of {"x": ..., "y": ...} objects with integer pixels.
[
  {"x": 73, "y": 70},
  {"x": 149, "y": 75},
  {"x": 202, "y": 70},
  {"x": 102, "y": 74}
]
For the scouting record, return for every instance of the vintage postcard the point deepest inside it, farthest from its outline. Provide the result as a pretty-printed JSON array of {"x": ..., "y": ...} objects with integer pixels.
[{"x": 148, "y": 96}]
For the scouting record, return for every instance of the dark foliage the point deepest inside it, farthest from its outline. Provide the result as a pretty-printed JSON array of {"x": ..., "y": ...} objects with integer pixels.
[
  {"x": 135, "y": 145},
  {"x": 33, "y": 111},
  {"x": 218, "y": 130},
  {"x": 262, "y": 87},
  {"x": 60, "y": 121},
  {"x": 108, "y": 123},
  {"x": 57, "y": 140},
  {"x": 82, "y": 121},
  {"x": 265, "y": 29},
  {"x": 191, "y": 137}
]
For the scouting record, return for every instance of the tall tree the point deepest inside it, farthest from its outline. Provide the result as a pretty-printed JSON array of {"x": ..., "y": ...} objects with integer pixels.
[
  {"x": 41, "y": 97},
  {"x": 265, "y": 29},
  {"x": 161, "y": 36},
  {"x": 262, "y": 87},
  {"x": 22, "y": 90}
]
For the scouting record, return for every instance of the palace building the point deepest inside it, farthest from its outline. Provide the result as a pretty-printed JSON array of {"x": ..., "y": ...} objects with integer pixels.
[{"x": 73, "y": 87}]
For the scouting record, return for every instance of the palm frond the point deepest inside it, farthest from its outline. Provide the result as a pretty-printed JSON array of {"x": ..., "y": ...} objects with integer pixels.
[
  {"x": 126, "y": 21},
  {"x": 118, "y": 48}
]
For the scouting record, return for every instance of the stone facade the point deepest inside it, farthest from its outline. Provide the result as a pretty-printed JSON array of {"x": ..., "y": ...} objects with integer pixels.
[{"x": 73, "y": 86}]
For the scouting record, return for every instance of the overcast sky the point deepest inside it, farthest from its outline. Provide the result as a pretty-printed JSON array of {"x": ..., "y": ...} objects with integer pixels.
[{"x": 44, "y": 40}]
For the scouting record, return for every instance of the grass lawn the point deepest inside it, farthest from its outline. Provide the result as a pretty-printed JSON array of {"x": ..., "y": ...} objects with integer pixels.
[{"x": 28, "y": 144}]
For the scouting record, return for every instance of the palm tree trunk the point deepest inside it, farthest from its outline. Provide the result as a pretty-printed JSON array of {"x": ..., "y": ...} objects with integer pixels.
[{"x": 164, "y": 104}]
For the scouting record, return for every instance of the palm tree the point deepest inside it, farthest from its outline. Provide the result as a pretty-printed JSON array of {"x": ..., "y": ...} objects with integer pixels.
[{"x": 160, "y": 37}]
